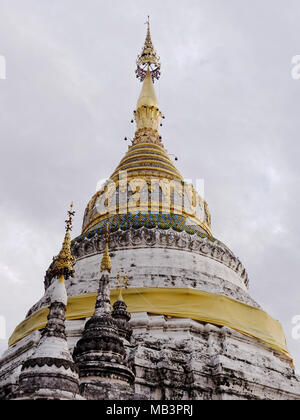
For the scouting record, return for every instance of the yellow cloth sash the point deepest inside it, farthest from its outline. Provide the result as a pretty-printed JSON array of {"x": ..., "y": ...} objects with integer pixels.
[{"x": 182, "y": 303}]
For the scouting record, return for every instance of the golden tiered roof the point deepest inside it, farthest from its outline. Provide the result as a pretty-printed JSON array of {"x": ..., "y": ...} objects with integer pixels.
[
  {"x": 147, "y": 164},
  {"x": 147, "y": 160}
]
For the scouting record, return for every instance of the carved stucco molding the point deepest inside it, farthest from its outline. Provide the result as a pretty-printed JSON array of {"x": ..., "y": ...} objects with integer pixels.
[
  {"x": 159, "y": 238},
  {"x": 49, "y": 361}
]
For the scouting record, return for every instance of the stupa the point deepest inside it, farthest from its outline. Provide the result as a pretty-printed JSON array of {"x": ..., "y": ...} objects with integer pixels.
[{"x": 195, "y": 332}]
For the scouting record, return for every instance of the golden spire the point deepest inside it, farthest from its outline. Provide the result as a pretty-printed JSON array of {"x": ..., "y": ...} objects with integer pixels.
[
  {"x": 147, "y": 96},
  {"x": 106, "y": 261},
  {"x": 147, "y": 114},
  {"x": 62, "y": 266}
]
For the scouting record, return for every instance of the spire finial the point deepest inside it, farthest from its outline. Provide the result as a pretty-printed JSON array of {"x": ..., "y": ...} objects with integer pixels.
[
  {"x": 106, "y": 261},
  {"x": 148, "y": 38},
  {"x": 62, "y": 266},
  {"x": 147, "y": 114},
  {"x": 68, "y": 222},
  {"x": 148, "y": 59}
]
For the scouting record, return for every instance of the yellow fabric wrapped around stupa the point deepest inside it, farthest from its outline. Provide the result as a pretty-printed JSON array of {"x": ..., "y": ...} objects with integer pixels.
[{"x": 182, "y": 303}]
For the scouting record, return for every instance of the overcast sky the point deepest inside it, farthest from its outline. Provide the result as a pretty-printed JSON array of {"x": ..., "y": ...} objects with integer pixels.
[{"x": 232, "y": 118}]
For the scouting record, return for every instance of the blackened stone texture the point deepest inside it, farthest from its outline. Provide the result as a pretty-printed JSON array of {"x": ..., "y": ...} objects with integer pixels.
[
  {"x": 122, "y": 318},
  {"x": 100, "y": 354},
  {"x": 50, "y": 373}
]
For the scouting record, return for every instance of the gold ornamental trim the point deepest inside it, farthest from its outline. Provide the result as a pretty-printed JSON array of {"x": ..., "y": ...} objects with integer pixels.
[
  {"x": 158, "y": 168},
  {"x": 148, "y": 146},
  {"x": 121, "y": 210},
  {"x": 149, "y": 168},
  {"x": 152, "y": 156}
]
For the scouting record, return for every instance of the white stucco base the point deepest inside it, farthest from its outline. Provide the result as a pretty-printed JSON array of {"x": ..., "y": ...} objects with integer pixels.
[{"x": 174, "y": 358}]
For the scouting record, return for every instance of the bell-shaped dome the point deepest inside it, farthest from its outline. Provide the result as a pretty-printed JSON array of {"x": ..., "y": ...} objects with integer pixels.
[{"x": 146, "y": 181}]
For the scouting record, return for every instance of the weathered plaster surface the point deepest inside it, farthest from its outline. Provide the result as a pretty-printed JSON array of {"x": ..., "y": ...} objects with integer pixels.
[
  {"x": 174, "y": 358},
  {"x": 181, "y": 358}
]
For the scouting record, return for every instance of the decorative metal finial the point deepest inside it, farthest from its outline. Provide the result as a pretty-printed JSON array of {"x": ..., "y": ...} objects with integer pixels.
[
  {"x": 148, "y": 24},
  {"x": 106, "y": 261},
  {"x": 62, "y": 265},
  {"x": 122, "y": 282},
  {"x": 68, "y": 222},
  {"x": 148, "y": 60}
]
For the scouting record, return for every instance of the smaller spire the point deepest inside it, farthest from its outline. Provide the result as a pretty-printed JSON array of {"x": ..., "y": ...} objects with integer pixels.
[
  {"x": 50, "y": 372},
  {"x": 100, "y": 354},
  {"x": 62, "y": 266},
  {"x": 148, "y": 59},
  {"x": 106, "y": 261},
  {"x": 102, "y": 306}
]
